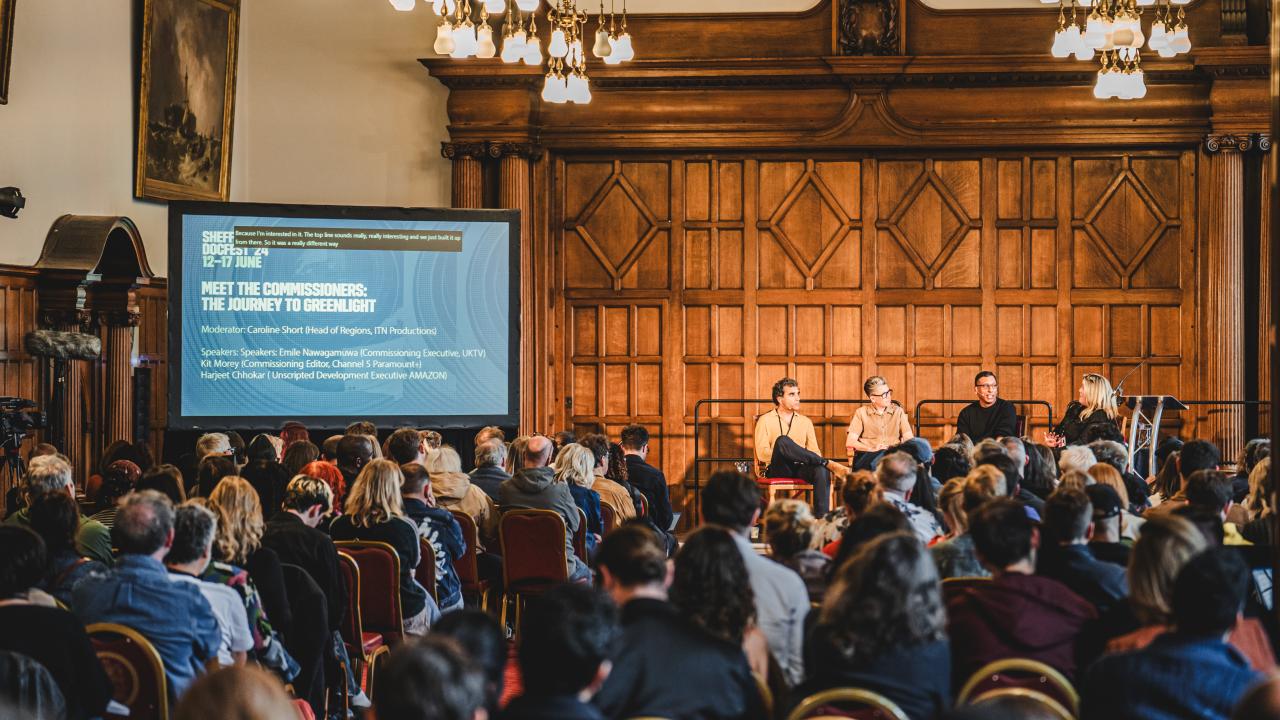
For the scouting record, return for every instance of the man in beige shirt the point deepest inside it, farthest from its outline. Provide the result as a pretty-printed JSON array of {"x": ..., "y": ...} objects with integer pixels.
[
  {"x": 787, "y": 446},
  {"x": 877, "y": 426}
]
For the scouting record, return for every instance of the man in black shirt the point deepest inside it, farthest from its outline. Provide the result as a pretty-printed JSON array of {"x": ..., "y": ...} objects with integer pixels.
[
  {"x": 989, "y": 417},
  {"x": 646, "y": 478},
  {"x": 292, "y": 535}
]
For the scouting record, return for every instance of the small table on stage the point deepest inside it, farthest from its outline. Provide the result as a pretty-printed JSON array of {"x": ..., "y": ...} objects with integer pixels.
[{"x": 1144, "y": 428}]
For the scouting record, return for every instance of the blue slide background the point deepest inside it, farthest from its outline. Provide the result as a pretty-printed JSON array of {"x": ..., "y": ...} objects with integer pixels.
[{"x": 464, "y": 295}]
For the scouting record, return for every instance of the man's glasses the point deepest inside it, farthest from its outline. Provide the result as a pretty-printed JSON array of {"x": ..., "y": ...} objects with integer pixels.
[
  {"x": 987, "y": 386},
  {"x": 884, "y": 394}
]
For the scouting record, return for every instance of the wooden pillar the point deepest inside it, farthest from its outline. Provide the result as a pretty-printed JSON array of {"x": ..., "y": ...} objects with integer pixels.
[
  {"x": 62, "y": 308},
  {"x": 514, "y": 193},
  {"x": 468, "y": 172},
  {"x": 115, "y": 306},
  {"x": 1223, "y": 204},
  {"x": 1264, "y": 291}
]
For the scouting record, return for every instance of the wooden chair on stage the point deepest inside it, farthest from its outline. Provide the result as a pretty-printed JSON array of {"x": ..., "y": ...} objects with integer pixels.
[
  {"x": 467, "y": 567},
  {"x": 134, "y": 668}
]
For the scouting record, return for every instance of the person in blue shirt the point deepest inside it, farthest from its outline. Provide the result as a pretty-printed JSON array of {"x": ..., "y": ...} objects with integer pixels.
[
  {"x": 1191, "y": 672},
  {"x": 438, "y": 527},
  {"x": 138, "y": 592}
]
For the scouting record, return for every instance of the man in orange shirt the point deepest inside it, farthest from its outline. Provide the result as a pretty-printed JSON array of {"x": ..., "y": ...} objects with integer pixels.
[{"x": 787, "y": 446}]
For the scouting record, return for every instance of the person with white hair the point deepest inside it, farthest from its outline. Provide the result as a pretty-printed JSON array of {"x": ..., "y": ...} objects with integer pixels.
[
  {"x": 896, "y": 474},
  {"x": 48, "y": 474},
  {"x": 1076, "y": 457}
]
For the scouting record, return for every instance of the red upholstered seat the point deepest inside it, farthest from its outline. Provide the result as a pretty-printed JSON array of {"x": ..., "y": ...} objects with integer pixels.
[
  {"x": 608, "y": 518},
  {"x": 425, "y": 573},
  {"x": 135, "y": 669},
  {"x": 782, "y": 481},
  {"x": 364, "y": 648},
  {"x": 370, "y": 642},
  {"x": 466, "y": 566},
  {"x": 534, "y": 558},
  {"x": 379, "y": 580}
]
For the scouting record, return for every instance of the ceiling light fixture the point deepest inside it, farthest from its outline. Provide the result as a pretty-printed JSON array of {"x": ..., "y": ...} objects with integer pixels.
[{"x": 1113, "y": 30}]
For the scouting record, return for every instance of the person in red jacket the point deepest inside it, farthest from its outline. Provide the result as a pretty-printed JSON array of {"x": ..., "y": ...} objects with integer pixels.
[{"x": 1017, "y": 614}]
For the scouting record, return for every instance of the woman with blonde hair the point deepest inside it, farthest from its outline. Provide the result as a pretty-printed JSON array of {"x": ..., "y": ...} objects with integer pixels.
[
  {"x": 242, "y": 692},
  {"x": 788, "y": 528},
  {"x": 956, "y": 556},
  {"x": 876, "y": 426},
  {"x": 1095, "y": 405},
  {"x": 1167, "y": 543},
  {"x": 575, "y": 466},
  {"x": 375, "y": 512}
]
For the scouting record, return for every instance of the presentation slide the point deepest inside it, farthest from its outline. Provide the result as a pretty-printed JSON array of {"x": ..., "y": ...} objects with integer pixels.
[{"x": 286, "y": 316}]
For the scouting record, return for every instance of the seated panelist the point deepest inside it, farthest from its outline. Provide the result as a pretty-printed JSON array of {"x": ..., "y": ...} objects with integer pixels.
[
  {"x": 787, "y": 446},
  {"x": 877, "y": 426}
]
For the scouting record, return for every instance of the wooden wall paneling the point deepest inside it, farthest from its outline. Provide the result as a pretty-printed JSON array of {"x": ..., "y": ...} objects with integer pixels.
[
  {"x": 20, "y": 374},
  {"x": 153, "y": 353}
]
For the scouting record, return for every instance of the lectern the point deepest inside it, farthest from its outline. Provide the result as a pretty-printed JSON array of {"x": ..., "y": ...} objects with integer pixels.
[{"x": 1144, "y": 427}]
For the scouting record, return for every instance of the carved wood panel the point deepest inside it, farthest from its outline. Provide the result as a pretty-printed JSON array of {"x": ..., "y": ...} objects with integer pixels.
[{"x": 924, "y": 269}]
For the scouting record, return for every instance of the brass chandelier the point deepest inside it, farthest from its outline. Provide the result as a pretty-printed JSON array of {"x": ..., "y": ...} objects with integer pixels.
[
  {"x": 1112, "y": 29},
  {"x": 465, "y": 31}
]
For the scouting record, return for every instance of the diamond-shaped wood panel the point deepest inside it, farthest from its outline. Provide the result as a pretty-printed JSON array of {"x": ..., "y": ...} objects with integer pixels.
[
  {"x": 927, "y": 223},
  {"x": 1118, "y": 233},
  {"x": 622, "y": 233},
  {"x": 810, "y": 228}
]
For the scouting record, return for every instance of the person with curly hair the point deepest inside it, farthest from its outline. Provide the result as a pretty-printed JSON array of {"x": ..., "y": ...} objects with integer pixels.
[
  {"x": 711, "y": 589},
  {"x": 239, "y": 543},
  {"x": 332, "y": 476},
  {"x": 859, "y": 491},
  {"x": 883, "y": 627}
]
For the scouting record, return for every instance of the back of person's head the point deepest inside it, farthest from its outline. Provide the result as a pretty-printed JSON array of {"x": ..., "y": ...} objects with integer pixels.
[
  {"x": 1067, "y": 514},
  {"x": 711, "y": 587},
  {"x": 1198, "y": 455},
  {"x": 1166, "y": 543},
  {"x": 964, "y": 443},
  {"x": 575, "y": 465},
  {"x": 240, "y": 520},
  {"x": 896, "y": 473},
  {"x": 634, "y": 437},
  {"x": 22, "y": 563},
  {"x": 1110, "y": 452},
  {"x": 1076, "y": 479},
  {"x": 212, "y": 444},
  {"x": 1005, "y": 707},
  {"x": 788, "y": 527},
  {"x": 362, "y": 427},
  {"x": 1261, "y": 487},
  {"x": 1254, "y": 452},
  {"x": 565, "y": 634},
  {"x": 416, "y": 479},
  {"x": 1101, "y": 432},
  {"x": 1017, "y": 451},
  {"x": 332, "y": 476},
  {"x": 479, "y": 635},
  {"x": 1168, "y": 481},
  {"x": 887, "y": 596},
  {"x": 194, "y": 527},
  {"x": 490, "y": 432},
  {"x": 1107, "y": 508},
  {"x": 238, "y": 692},
  {"x": 860, "y": 490},
  {"x": 538, "y": 450},
  {"x": 444, "y": 460},
  {"x": 39, "y": 449},
  {"x": 432, "y": 439},
  {"x": 490, "y": 453},
  {"x": 293, "y": 432},
  {"x": 305, "y": 492},
  {"x": 211, "y": 471},
  {"x": 1210, "y": 592},
  {"x": 298, "y": 454},
  {"x": 375, "y": 495},
  {"x": 985, "y": 447},
  {"x": 165, "y": 479},
  {"x": 262, "y": 447},
  {"x": 1207, "y": 520},
  {"x": 598, "y": 445},
  {"x": 1104, "y": 473},
  {"x": 47, "y": 473},
  {"x": 983, "y": 483},
  {"x": 1002, "y": 532},
  {"x": 633, "y": 556},
  {"x": 114, "y": 486},
  {"x": 951, "y": 503},
  {"x": 354, "y": 451},
  {"x": 1209, "y": 489},
  {"x": 1011, "y": 471},
  {"x": 404, "y": 445},
  {"x": 1262, "y": 702},
  {"x": 143, "y": 522},
  {"x": 55, "y": 517},
  {"x": 879, "y": 519},
  {"x": 432, "y": 677},
  {"x": 329, "y": 448},
  {"x": 1042, "y": 472},
  {"x": 563, "y": 438},
  {"x": 1076, "y": 457},
  {"x": 730, "y": 499},
  {"x": 617, "y": 471},
  {"x": 238, "y": 451},
  {"x": 950, "y": 461}
]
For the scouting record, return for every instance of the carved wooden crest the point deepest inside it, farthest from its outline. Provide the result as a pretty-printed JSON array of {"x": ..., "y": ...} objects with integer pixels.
[{"x": 868, "y": 27}]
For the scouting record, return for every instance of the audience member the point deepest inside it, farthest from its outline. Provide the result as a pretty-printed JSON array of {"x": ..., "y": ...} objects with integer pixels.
[
  {"x": 329, "y": 473},
  {"x": 430, "y": 678},
  {"x": 574, "y": 469},
  {"x": 239, "y": 693},
  {"x": 534, "y": 485},
  {"x": 1017, "y": 613},
  {"x": 1042, "y": 471},
  {"x": 612, "y": 494},
  {"x": 1260, "y": 530},
  {"x": 1011, "y": 468},
  {"x": 711, "y": 587},
  {"x": 1191, "y": 672},
  {"x": 298, "y": 455},
  {"x": 1114, "y": 454},
  {"x": 51, "y": 636},
  {"x": 1167, "y": 484},
  {"x": 950, "y": 461},
  {"x": 858, "y": 492},
  {"x": 362, "y": 427},
  {"x": 1211, "y": 490},
  {"x": 439, "y": 528},
  {"x": 1064, "y": 554},
  {"x": 376, "y": 512},
  {"x": 212, "y": 444},
  {"x": 896, "y": 474},
  {"x": 787, "y": 528},
  {"x": 239, "y": 543},
  {"x": 292, "y": 432},
  {"x": 882, "y": 628},
  {"x": 453, "y": 490},
  {"x": 194, "y": 527},
  {"x": 488, "y": 474},
  {"x": 118, "y": 480},
  {"x": 329, "y": 449},
  {"x": 1105, "y": 474},
  {"x": 561, "y": 439},
  {"x": 484, "y": 641},
  {"x": 138, "y": 593},
  {"x": 1075, "y": 457},
  {"x": 1255, "y": 451},
  {"x": 879, "y": 519},
  {"x": 354, "y": 452},
  {"x": 646, "y": 478},
  {"x": 951, "y": 505},
  {"x": 405, "y": 446},
  {"x": 210, "y": 472},
  {"x": 49, "y": 473},
  {"x": 165, "y": 479},
  {"x": 55, "y": 518},
  {"x": 432, "y": 438},
  {"x": 963, "y": 442},
  {"x": 664, "y": 663},
  {"x": 956, "y": 556},
  {"x": 1076, "y": 479},
  {"x": 1198, "y": 455},
  {"x": 566, "y": 635},
  {"x": 1108, "y": 524},
  {"x": 490, "y": 432},
  {"x": 293, "y": 536},
  {"x": 238, "y": 453},
  {"x": 732, "y": 499}
]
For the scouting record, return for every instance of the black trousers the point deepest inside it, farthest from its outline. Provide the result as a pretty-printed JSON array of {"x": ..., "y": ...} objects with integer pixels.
[{"x": 789, "y": 460}]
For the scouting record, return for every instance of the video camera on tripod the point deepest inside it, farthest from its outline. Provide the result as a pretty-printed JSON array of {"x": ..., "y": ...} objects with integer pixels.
[{"x": 16, "y": 420}]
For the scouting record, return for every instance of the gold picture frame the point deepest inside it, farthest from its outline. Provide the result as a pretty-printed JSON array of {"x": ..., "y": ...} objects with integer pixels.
[
  {"x": 186, "y": 103},
  {"x": 6, "y": 47}
]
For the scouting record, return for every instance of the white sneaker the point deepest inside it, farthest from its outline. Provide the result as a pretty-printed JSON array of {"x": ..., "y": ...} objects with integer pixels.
[{"x": 360, "y": 700}]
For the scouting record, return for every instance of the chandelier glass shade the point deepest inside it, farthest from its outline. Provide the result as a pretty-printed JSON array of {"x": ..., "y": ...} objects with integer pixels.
[
  {"x": 1112, "y": 31},
  {"x": 466, "y": 30}
]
